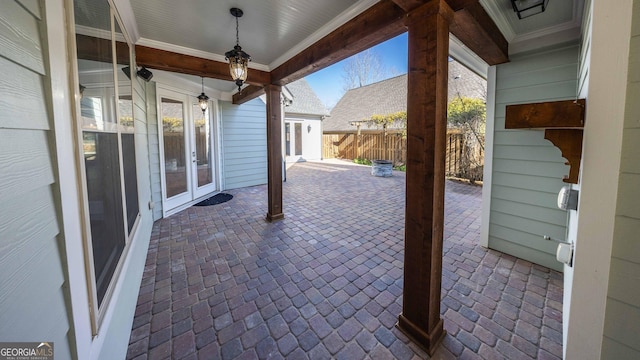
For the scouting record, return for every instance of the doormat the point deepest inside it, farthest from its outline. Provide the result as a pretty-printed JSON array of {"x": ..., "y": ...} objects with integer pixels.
[{"x": 215, "y": 199}]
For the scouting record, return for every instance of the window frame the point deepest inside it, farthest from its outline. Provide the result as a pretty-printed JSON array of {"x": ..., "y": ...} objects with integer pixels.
[{"x": 98, "y": 312}]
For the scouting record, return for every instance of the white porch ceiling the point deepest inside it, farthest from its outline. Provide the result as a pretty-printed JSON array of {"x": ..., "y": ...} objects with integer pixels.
[
  {"x": 273, "y": 31},
  {"x": 269, "y": 29},
  {"x": 560, "y": 22}
]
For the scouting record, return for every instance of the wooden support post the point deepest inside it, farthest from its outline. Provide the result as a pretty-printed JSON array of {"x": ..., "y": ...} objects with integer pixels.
[
  {"x": 274, "y": 152},
  {"x": 428, "y": 27}
]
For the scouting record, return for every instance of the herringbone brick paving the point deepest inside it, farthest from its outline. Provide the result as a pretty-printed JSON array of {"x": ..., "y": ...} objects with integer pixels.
[{"x": 326, "y": 282}]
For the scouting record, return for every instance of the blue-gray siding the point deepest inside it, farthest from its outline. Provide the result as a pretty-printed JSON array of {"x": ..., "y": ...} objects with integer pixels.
[
  {"x": 244, "y": 143},
  {"x": 154, "y": 149},
  {"x": 527, "y": 169},
  {"x": 622, "y": 316},
  {"x": 32, "y": 280}
]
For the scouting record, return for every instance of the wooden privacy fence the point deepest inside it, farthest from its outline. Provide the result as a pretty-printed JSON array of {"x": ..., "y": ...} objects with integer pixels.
[{"x": 393, "y": 146}]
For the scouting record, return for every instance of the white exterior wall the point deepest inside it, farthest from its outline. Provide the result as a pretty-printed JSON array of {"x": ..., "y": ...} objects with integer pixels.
[
  {"x": 603, "y": 80},
  {"x": 311, "y": 139},
  {"x": 622, "y": 315}
]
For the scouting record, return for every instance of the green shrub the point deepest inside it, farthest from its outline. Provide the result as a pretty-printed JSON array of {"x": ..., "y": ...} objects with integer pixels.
[{"x": 362, "y": 161}]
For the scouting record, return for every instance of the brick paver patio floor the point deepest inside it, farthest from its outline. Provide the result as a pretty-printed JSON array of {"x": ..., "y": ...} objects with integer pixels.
[{"x": 326, "y": 282}]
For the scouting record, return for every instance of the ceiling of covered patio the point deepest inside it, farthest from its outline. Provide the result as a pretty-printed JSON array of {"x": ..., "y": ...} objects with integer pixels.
[{"x": 275, "y": 31}]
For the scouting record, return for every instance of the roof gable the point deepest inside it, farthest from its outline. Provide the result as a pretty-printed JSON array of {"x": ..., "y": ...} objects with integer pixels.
[
  {"x": 390, "y": 96},
  {"x": 305, "y": 101}
]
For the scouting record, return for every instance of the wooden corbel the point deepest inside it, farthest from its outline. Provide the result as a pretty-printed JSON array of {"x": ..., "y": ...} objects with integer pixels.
[
  {"x": 569, "y": 141},
  {"x": 562, "y": 122}
]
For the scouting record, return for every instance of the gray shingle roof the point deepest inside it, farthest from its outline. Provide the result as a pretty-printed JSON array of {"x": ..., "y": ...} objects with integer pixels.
[
  {"x": 390, "y": 96},
  {"x": 305, "y": 100}
]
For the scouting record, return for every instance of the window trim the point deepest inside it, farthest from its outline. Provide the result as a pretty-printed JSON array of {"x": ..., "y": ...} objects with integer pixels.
[{"x": 98, "y": 313}]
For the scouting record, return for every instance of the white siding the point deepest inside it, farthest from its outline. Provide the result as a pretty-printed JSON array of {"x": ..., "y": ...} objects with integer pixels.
[
  {"x": 527, "y": 169},
  {"x": 244, "y": 143},
  {"x": 622, "y": 316},
  {"x": 32, "y": 280}
]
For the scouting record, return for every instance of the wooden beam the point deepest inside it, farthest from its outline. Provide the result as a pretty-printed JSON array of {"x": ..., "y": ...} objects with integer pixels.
[
  {"x": 380, "y": 22},
  {"x": 455, "y": 5},
  {"x": 551, "y": 114},
  {"x": 192, "y": 65},
  {"x": 274, "y": 153},
  {"x": 98, "y": 49},
  {"x": 426, "y": 134},
  {"x": 475, "y": 28},
  {"x": 247, "y": 94},
  {"x": 569, "y": 141}
]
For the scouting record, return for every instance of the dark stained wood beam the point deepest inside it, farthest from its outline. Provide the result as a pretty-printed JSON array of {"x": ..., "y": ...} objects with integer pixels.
[
  {"x": 455, "y": 5},
  {"x": 98, "y": 49},
  {"x": 475, "y": 28},
  {"x": 274, "y": 153},
  {"x": 380, "y": 22},
  {"x": 426, "y": 136},
  {"x": 551, "y": 114},
  {"x": 247, "y": 94},
  {"x": 192, "y": 65}
]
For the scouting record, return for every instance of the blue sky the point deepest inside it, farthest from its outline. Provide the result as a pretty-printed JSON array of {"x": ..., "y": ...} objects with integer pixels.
[{"x": 327, "y": 83}]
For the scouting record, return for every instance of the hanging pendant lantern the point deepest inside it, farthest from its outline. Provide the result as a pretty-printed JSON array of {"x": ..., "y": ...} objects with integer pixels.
[
  {"x": 238, "y": 59},
  {"x": 203, "y": 100}
]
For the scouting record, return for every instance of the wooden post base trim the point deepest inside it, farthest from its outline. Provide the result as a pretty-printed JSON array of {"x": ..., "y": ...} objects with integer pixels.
[
  {"x": 428, "y": 341},
  {"x": 274, "y": 217}
]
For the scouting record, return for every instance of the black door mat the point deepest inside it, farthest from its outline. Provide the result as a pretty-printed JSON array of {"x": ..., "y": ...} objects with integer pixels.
[{"x": 215, "y": 199}]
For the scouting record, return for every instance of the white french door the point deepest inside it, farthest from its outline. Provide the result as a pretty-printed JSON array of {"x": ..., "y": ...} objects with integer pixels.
[{"x": 186, "y": 149}]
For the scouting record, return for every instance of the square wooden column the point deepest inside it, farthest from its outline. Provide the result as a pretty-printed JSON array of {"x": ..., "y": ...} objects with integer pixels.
[
  {"x": 428, "y": 28},
  {"x": 274, "y": 152}
]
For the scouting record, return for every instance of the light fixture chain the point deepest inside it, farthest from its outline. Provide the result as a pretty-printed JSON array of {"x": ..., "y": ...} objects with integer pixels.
[{"x": 237, "y": 33}]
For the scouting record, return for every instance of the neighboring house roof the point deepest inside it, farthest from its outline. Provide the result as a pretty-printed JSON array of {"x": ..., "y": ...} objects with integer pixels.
[
  {"x": 304, "y": 99},
  {"x": 390, "y": 96}
]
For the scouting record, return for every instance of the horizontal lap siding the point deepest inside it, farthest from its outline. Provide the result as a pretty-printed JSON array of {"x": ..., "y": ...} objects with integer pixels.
[
  {"x": 32, "y": 281},
  {"x": 622, "y": 317},
  {"x": 154, "y": 149},
  {"x": 244, "y": 143},
  {"x": 527, "y": 169}
]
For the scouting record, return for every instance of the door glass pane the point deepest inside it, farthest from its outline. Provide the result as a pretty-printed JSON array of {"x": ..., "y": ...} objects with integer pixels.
[
  {"x": 175, "y": 170},
  {"x": 287, "y": 136},
  {"x": 203, "y": 145},
  {"x": 298, "y": 138}
]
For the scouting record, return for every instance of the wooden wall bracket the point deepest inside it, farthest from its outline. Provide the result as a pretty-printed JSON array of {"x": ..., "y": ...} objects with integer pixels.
[
  {"x": 552, "y": 114},
  {"x": 562, "y": 122},
  {"x": 569, "y": 141}
]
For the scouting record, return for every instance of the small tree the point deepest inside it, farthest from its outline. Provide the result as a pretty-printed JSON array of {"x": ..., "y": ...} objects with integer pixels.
[
  {"x": 363, "y": 69},
  {"x": 469, "y": 115}
]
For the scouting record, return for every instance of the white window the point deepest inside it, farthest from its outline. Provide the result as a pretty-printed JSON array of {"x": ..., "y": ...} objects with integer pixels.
[{"x": 107, "y": 144}]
